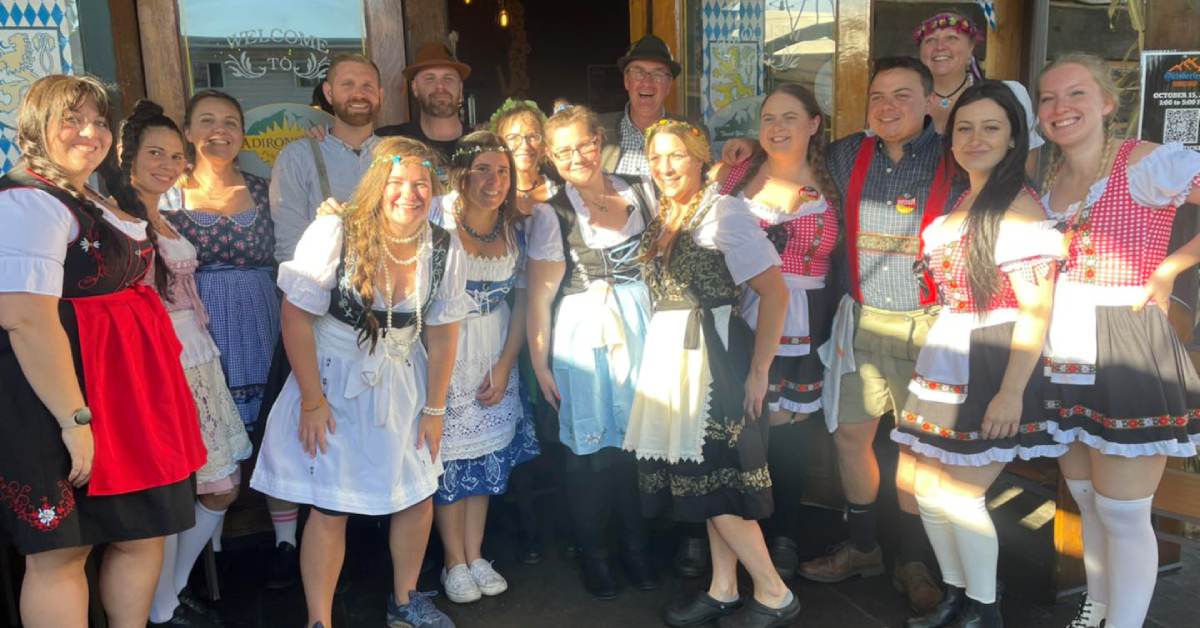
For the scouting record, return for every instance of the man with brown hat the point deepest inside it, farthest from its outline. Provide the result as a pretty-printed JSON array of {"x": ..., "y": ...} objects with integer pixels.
[
  {"x": 649, "y": 71},
  {"x": 436, "y": 80}
]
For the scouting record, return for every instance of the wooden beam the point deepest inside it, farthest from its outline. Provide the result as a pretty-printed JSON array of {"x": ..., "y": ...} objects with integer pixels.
[
  {"x": 852, "y": 66},
  {"x": 425, "y": 20},
  {"x": 639, "y": 18},
  {"x": 1008, "y": 43},
  {"x": 127, "y": 50},
  {"x": 667, "y": 22},
  {"x": 385, "y": 46},
  {"x": 165, "y": 71},
  {"x": 1171, "y": 24}
]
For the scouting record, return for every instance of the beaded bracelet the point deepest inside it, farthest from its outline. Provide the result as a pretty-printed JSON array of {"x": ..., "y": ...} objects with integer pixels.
[{"x": 428, "y": 411}]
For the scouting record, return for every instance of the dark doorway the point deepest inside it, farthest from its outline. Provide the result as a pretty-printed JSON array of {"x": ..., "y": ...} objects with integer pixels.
[{"x": 573, "y": 49}]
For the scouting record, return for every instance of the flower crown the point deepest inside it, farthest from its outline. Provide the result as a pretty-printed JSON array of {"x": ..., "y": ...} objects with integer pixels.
[
  {"x": 666, "y": 122},
  {"x": 511, "y": 104},
  {"x": 404, "y": 159},
  {"x": 465, "y": 154},
  {"x": 947, "y": 20}
]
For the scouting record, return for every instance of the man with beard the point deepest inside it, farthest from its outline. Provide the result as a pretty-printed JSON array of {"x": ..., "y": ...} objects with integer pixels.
[
  {"x": 302, "y": 173},
  {"x": 305, "y": 174},
  {"x": 436, "y": 80}
]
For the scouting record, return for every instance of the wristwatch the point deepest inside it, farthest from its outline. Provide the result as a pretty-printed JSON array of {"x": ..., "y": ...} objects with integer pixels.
[{"x": 80, "y": 418}]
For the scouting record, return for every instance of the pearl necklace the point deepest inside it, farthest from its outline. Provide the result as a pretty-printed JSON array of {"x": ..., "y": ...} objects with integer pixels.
[{"x": 398, "y": 347}]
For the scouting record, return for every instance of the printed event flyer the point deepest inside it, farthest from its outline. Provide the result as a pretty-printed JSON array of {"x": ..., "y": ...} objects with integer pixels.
[{"x": 1170, "y": 99}]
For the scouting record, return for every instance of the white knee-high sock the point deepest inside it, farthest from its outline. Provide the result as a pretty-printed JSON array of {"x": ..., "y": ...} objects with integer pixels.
[
  {"x": 166, "y": 598},
  {"x": 192, "y": 542},
  {"x": 1095, "y": 548},
  {"x": 941, "y": 538},
  {"x": 977, "y": 545},
  {"x": 1133, "y": 551},
  {"x": 216, "y": 537}
]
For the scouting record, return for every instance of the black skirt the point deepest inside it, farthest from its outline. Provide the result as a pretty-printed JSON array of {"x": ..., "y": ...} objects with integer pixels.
[
  {"x": 951, "y": 433},
  {"x": 39, "y": 509},
  {"x": 1146, "y": 397},
  {"x": 795, "y": 381},
  {"x": 733, "y": 478}
]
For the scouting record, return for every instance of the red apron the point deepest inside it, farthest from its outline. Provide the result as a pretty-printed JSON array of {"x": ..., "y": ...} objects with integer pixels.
[{"x": 145, "y": 426}]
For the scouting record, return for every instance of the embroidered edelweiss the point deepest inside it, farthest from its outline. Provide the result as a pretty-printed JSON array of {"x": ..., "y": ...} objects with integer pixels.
[
  {"x": 46, "y": 514},
  {"x": 88, "y": 245}
]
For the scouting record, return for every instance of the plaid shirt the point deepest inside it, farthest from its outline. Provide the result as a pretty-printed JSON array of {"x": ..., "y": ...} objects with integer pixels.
[
  {"x": 633, "y": 149},
  {"x": 888, "y": 240}
]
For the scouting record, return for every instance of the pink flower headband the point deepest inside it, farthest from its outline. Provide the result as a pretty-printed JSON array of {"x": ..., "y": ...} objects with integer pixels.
[{"x": 947, "y": 20}]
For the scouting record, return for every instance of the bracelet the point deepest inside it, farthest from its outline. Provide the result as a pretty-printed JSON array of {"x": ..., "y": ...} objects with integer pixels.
[
  {"x": 428, "y": 411},
  {"x": 320, "y": 402}
]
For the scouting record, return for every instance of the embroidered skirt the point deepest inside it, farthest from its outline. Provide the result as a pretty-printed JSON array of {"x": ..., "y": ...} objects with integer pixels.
[
  {"x": 1146, "y": 395},
  {"x": 795, "y": 380},
  {"x": 943, "y": 421},
  {"x": 488, "y": 474},
  {"x": 729, "y": 476},
  {"x": 39, "y": 509}
]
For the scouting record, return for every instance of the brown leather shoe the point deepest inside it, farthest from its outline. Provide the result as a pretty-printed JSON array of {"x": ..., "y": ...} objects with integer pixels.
[
  {"x": 915, "y": 581},
  {"x": 844, "y": 562}
]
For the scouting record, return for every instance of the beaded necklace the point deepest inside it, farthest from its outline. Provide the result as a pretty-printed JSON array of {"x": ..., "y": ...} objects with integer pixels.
[{"x": 398, "y": 347}]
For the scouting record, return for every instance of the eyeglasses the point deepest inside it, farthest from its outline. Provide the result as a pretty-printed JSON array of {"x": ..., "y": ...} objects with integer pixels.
[
  {"x": 658, "y": 76},
  {"x": 586, "y": 150},
  {"x": 514, "y": 139}
]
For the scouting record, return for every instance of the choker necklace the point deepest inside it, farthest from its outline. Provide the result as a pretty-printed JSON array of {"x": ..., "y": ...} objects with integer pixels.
[
  {"x": 945, "y": 102},
  {"x": 460, "y": 215},
  {"x": 525, "y": 192}
]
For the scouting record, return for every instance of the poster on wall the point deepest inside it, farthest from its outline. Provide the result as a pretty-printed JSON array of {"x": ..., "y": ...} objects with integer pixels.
[
  {"x": 271, "y": 127},
  {"x": 731, "y": 83},
  {"x": 35, "y": 41},
  {"x": 1170, "y": 99}
]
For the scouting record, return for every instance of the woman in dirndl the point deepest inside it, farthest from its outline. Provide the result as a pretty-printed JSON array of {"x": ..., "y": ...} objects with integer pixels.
[
  {"x": 99, "y": 438},
  {"x": 1124, "y": 393},
  {"x": 487, "y": 433},
  {"x": 789, "y": 189},
  {"x": 585, "y": 284},
  {"x": 697, "y": 425},
  {"x": 151, "y": 157},
  {"x": 357, "y": 428},
  {"x": 975, "y": 399}
]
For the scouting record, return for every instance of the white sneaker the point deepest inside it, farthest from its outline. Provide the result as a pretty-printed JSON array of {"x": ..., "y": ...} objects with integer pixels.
[
  {"x": 486, "y": 578},
  {"x": 460, "y": 586}
]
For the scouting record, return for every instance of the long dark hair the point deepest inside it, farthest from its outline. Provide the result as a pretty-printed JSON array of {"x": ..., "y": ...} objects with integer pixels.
[
  {"x": 470, "y": 147},
  {"x": 118, "y": 175},
  {"x": 1004, "y": 183},
  {"x": 816, "y": 144}
]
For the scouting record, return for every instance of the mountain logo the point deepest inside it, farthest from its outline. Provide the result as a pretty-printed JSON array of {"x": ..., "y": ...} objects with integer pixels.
[{"x": 1186, "y": 73}]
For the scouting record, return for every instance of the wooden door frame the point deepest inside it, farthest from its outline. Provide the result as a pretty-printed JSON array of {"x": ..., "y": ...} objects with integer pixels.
[{"x": 165, "y": 77}]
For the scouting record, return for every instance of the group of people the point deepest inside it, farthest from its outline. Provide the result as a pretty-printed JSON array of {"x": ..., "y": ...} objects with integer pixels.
[{"x": 409, "y": 318}]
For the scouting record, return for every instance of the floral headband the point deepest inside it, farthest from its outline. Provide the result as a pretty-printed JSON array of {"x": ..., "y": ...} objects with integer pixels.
[
  {"x": 666, "y": 122},
  {"x": 405, "y": 159},
  {"x": 947, "y": 20},
  {"x": 511, "y": 104},
  {"x": 466, "y": 154}
]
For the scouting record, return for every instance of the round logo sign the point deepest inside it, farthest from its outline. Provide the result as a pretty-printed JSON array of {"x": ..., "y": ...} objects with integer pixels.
[{"x": 271, "y": 127}]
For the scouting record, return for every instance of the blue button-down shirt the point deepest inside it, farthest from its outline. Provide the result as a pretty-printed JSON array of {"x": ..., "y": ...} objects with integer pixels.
[
  {"x": 296, "y": 189},
  {"x": 889, "y": 239}
]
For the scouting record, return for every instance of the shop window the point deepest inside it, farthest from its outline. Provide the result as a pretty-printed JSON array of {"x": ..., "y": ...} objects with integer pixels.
[
  {"x": 269, "y": 59},
  {"x": 208, "y": 76}
]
